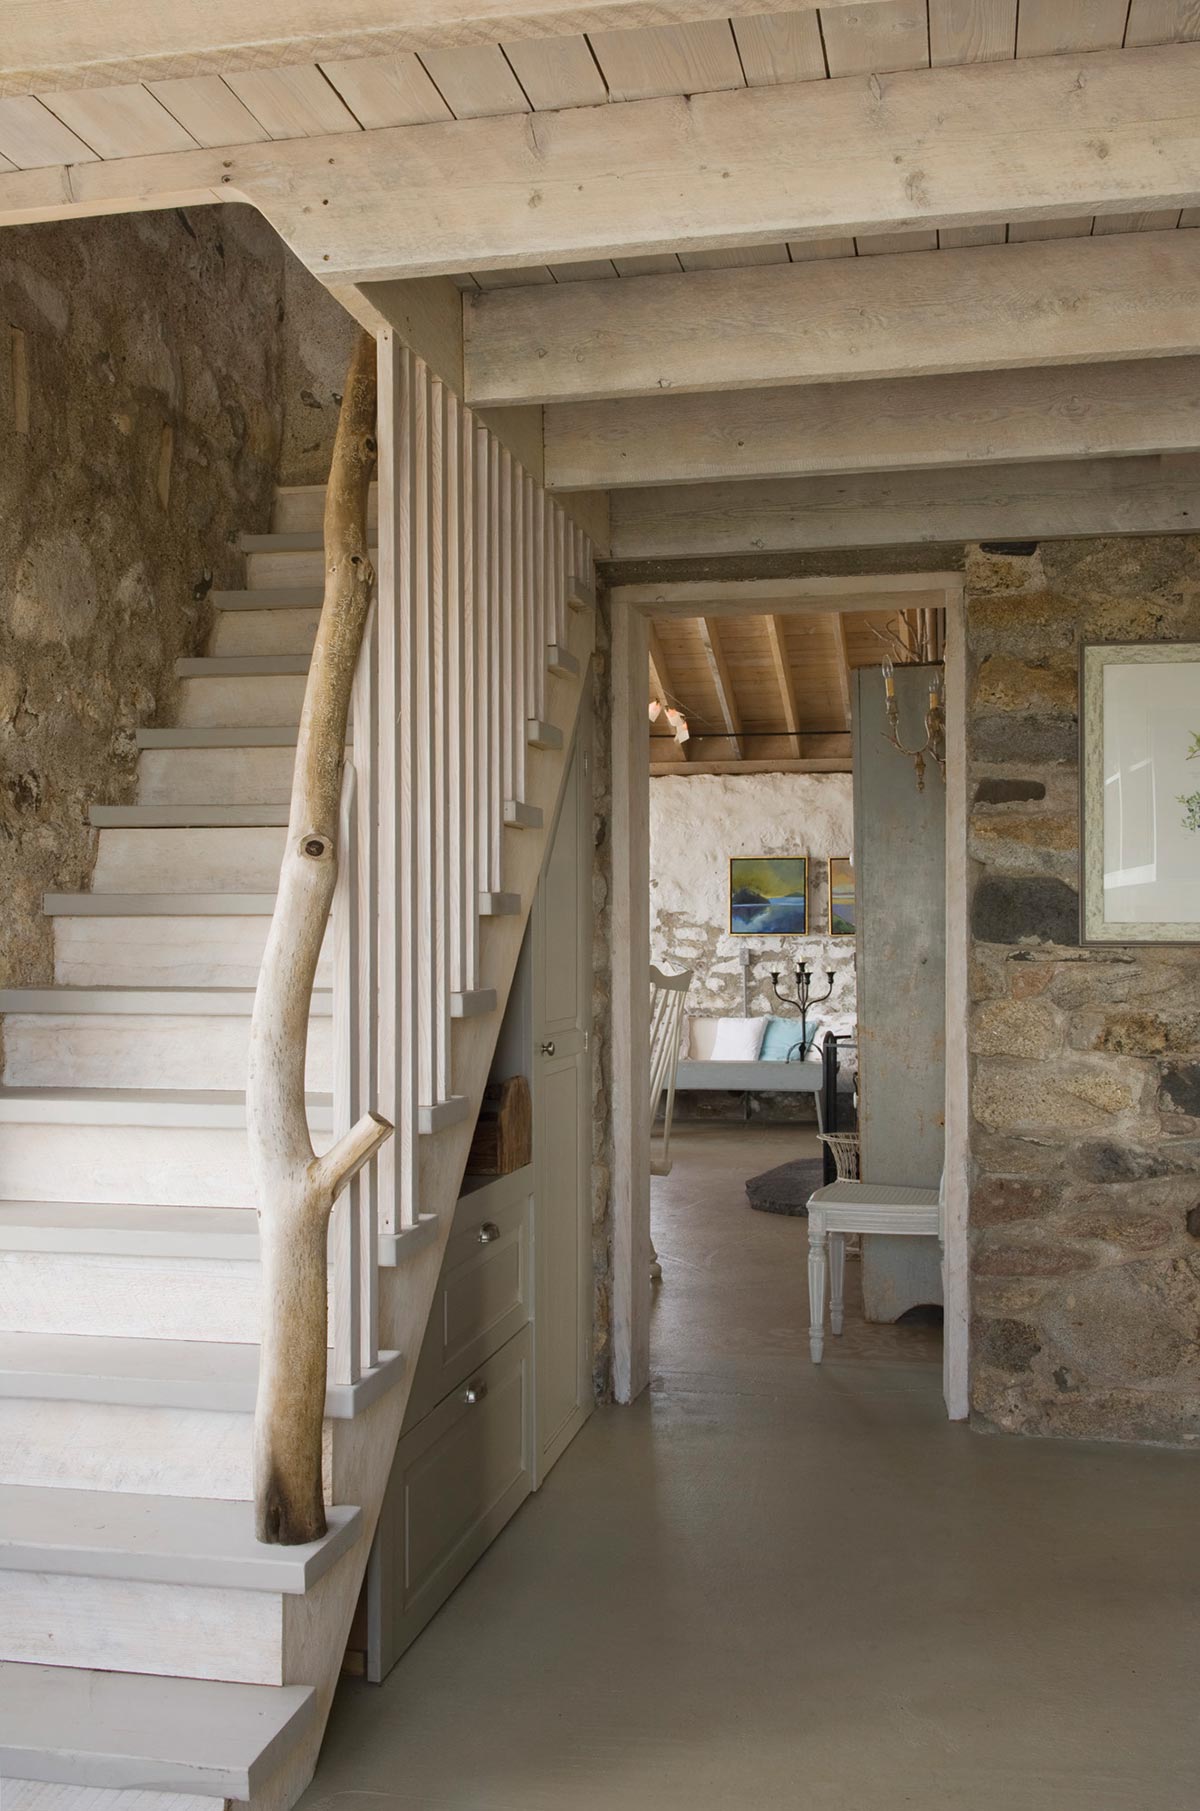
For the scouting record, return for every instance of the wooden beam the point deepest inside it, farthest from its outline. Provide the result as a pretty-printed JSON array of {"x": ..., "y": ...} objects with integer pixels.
[
  {"x": 660, "y": 680},
  {"x": 1043, "y": 138},
  {"x": 775, "y": 628},
  {"x": 718, "y": 666},
  {"x": 837, "y": 625},
  {"x": 785, "y": 596},
  {"x": 77, "y": 44},
  {"x": 824, "y": 764},
  {"x": 987, "y": 418},
  {"x": 1005, "y": 502},
  {"x": 913, "y": 314}
]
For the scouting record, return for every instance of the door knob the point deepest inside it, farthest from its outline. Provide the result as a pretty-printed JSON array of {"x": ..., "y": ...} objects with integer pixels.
[
  {"x": 548, "y": 1047},
  {"x": 474, "y": 1392},
  {"x": 489, "y": 1232}
]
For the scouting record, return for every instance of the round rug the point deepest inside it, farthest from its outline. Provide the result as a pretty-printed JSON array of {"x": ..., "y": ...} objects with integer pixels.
[{"x": 785, "y": 1189}]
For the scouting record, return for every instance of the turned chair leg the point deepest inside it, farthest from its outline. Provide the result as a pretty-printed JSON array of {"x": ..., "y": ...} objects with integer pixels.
[
  {"x": 837, "y": 1279},
  {"x": 817, "y": 1265}
]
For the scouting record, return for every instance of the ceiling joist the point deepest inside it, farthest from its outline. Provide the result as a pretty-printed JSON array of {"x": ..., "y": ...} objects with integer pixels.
[
  {"x": 781, "y": 661},
  {"x": 722, "y": 679},
  {"x": 1042, "y": 138}
]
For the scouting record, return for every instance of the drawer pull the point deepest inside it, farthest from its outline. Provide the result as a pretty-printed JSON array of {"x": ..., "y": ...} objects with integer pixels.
[
  {"x": 489, "y": 1232},
  {"x": 474, "y": 1392}
]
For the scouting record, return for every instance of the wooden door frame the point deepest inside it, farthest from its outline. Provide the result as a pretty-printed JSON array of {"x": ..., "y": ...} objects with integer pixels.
[{"x": 634, "y": 607}]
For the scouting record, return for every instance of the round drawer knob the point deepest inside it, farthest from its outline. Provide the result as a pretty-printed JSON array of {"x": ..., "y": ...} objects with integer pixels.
[
  {"x": 489, "y": 1232},
  {"x": 474, "y": 1392}
]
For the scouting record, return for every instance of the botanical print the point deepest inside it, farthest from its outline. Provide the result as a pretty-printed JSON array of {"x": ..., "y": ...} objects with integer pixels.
[
  {"x": 843, "y": 920},
  {"x": 768, "y": 894}
]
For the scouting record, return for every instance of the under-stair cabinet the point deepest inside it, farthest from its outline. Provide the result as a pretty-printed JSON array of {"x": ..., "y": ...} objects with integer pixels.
[{"x": 504, "y": 1378}]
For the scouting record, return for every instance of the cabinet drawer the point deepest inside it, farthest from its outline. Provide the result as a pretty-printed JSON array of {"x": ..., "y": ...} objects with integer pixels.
[
  {"x": 484, "y": 1292},
  {"x": 457, "y": 1479}
]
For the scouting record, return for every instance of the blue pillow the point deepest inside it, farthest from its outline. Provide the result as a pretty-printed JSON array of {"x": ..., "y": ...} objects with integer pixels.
[{"x": 780, "y": 1037}]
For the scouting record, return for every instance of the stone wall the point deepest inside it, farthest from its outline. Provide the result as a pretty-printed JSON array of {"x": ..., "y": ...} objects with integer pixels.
[
  {"x": 318, "y": 336},
  {"x": 696, "y": 823},
  {"x": 1085, "y": 1206},
  {"x": 140, "y": 412}
]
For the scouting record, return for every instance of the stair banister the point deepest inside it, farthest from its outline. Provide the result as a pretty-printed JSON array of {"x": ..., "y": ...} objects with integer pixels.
[{"x": 295, "y": 1189}]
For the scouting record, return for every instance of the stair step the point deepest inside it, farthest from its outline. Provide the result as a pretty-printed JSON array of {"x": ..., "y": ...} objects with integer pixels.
[
  {"x": 216, "y": 735},
  {"x": 520, "y": 816},
  {"x": 169, "y": 947},
  {"x": 217, "y": 700},
  {"x": 208, "y": 1108},
  {"x": 203, "y": 1002},
  {"x": 292, "y": 540},
  {"x": 184, "y": 777},
  {"x": 204, "y": 1541},
  {"x": 231, "y": 858},
  {"x": 561, "y": 661},
  {"x": 473, "y": 1004},
  {"x": 137, "y": 1731},
  {"x": 443, "y": 1114},
  {"x": 280, "y": 597},
  {"x": 158, "y": 905},
  {"x": 241, "y": 666},
  {"x": 205, "y": 1375},
  {"x": 580, "y": 595},
  {"x": 124, "y": 1230},
  {"x": 499, "y": 905},
  {"x": 264, "y": 631},
  {"x": 543, "y": 735},
  {"x": 186, "y": 817},
  {"x": 303, "y": 506}
]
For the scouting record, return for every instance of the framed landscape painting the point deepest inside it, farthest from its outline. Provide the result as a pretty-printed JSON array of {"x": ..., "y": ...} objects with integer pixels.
[
  {"x": 842, "y": 919},
  {"x": 1140, "y": 792},
  {"x": 768, "y": 895}
]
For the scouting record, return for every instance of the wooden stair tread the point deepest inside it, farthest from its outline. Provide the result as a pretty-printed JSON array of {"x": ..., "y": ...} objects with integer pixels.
[
  {"x": 270, "y": 597},
  {"x": 186, "y": 817},
  {"x": 214, "y": 1108},
  {"x": 241, "y": 666},
  {"x": 159, "y": 1373},
  {"x": 174, "y": 1002},
  {"x": 165, "y": 1540},
  {"x": 129, "y": 1229},
  {"x": 78, "y": 1727},
  {"x": 158, "y": 905}
]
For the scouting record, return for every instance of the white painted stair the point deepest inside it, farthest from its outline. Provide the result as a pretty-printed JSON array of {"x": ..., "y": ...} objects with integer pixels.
[{"x": 148, "y": 1643}]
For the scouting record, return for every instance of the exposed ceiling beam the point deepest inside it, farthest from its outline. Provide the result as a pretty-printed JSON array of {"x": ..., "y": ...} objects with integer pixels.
[
  {"x": 837, "y": 627},
  {"x": 785, "y": 596},
  {"x": 660, "y": 678},
  {"x": 710, "y": 636},
  {"x": 783, "y": 673},
  {"x": 910, "y": 314},
  {"x": 987, "y": 418},
  {"x": 1000, "y": 502},
  {"x": 1044, "y": 137},
  {"x": 76, "y": 43}
]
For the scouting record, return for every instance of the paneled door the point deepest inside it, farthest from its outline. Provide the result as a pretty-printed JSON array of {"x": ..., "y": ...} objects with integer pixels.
[{"x": 562, "y": 1010}]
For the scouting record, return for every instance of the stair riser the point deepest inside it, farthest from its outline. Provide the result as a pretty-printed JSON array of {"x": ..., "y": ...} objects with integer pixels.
[
  {"x": 39, "y": 1795},
  {"x": 106, "y": 1446},
  {"x": 126, "y": 1050},
  {"x": 264, "y": 632},
  {"x": 215, "y": 776},
  {"x": 166, "y": 952},
  {"x": 302, "y": 511},
  {"x": 260, "y": 699},
  {"x": 171, "y": 1166},
  {"x": 83, "y": 1293},
  {"x": 227, "y": 860},
  {"x": 125, "y": 1625},
  {"x": 295, "y": 566}
]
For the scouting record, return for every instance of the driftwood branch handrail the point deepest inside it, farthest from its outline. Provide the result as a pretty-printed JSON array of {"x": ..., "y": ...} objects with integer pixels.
[{"x": 295, "y": 1189}]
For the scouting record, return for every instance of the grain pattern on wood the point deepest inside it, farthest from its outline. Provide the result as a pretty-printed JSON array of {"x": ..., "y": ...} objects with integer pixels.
[
  {"x": 990, "y": 307},
  {"x": 295, "y": 1189}
]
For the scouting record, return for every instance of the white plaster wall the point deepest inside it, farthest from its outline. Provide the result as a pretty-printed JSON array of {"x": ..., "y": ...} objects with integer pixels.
[{"x": 696, "y": 824}]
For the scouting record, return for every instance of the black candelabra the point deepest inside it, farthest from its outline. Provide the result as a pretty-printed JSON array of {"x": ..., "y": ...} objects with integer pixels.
[{"x": 803, "y": 1000}]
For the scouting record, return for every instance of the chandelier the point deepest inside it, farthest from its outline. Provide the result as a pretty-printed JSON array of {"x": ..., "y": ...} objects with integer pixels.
[{"x": 915, "y": 639}]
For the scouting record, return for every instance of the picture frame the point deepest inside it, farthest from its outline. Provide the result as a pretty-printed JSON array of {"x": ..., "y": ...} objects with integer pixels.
[
  {"x": 768, "y": 895},
  {"x": 843, "y": 921},
  {"x": 1139, "y": 787}
]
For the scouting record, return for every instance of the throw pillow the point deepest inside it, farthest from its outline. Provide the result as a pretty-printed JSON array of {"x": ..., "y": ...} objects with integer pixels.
[
  {"x": 738, "y": 1040},
  {"x": 782, "y": 1036}
]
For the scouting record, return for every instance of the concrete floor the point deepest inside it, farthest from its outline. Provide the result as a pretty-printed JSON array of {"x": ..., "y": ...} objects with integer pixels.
[{"x": 778, "y": 1588}]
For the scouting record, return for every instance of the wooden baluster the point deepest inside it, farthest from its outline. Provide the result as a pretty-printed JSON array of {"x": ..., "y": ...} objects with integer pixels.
[
  {"x": 438, "y": 884},
  {"x": 468, "y": 692},
  {"x": 344, "y": 1230},
  {"x": 520, "y": 606},
  {"x": 535, "y": 640},
  {"x": 366, "y": 793},
  {"x": 560, "y": 575},
  {"x": 504, "y": 665},
  {"x": 496, "y": 614},
  {"x": 414, "y": 506}
]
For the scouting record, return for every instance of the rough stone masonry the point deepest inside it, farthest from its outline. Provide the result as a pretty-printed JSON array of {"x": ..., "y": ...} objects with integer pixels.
[{"x": 1085, "y": 1088}]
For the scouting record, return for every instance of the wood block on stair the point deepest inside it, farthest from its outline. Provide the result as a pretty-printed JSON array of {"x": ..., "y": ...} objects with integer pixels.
[
  {"x": 580, "y": 595},
  {"x": 561, "y": 662},
  {"x": 543, "y": 735},
  {"x": 520, "y": 816},
  {"x": 499, "y": 905},
  {"x": 473, "y": 1005}
]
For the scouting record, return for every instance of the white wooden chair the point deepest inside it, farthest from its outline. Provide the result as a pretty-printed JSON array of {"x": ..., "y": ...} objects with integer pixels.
[
  {"x": 668, "y": 998},
  {"x": 849, "y": 1207}
]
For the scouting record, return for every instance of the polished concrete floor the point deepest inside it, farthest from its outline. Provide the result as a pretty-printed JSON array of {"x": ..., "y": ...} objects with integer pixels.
[{"x": 780, "y": 1588}]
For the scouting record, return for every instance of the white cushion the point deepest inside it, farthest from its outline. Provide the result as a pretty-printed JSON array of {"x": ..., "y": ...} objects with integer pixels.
[{"x": 738, "y": 1040}]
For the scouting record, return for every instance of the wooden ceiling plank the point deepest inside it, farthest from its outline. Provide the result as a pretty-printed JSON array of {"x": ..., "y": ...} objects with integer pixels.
[
  {"x": 806, "y": 251},
  {"x": 209, "y": 111},
  {"x": 981, "y": 418},
  {"x": 1036, "y": 232},
  {"x": 781, "y": 661},
  {"x": 959, "y": 238},
  {"x": 1158, "y": 220},
  {"x": 1162, "y": 22},
  {"x": 710, "y": 635},
  {"x": 780, "y": 47},
  {"x": 837, "y": 630},
  {"x": 886, "y": 245},
  {"x": 786, "y": 162},
  {"x": 668, "y": 59},
  {"x": 663, "y": 682},
  {"x": 745, "y": 258},
  {"x": 476, "y": 82},
  {"x": 293, "y": 103},
  {"x": 120, "y": 122},
  {"x": 1052, "y": 28},
  {"x": 971, "y": 31},
  {"x": 991, "y": 307},
  {"x": 387, "y": 91},
  {"x": 1017, "y": 502},
  {"x": 32, "y": 137},
  {"x": 557, "y": 72},
  {"x": 878, "y": 39}
]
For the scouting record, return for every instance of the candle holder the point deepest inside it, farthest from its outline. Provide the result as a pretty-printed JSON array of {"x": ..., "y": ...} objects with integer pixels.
[
  {"x": 804, "y": 999},
  {"x": 935, "y": 720}
]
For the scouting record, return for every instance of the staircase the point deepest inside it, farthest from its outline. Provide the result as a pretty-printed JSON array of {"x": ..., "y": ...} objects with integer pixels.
[{"x": 147, "y": 1641}]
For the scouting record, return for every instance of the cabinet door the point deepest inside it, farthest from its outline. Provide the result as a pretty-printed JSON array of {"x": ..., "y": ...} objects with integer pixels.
[
  {"x": 458, "y": 1477},
  {"x": 562, "y": 1004}
]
